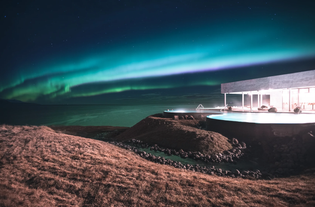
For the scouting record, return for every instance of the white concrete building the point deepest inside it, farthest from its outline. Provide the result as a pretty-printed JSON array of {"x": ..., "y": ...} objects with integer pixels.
[{"x": 284, "y": 92}]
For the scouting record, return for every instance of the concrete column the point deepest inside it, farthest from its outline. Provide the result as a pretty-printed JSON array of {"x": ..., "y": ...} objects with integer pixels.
[
  {"x": 282, "y": 101},
  {"x": 309, "y": 91},
  {"x": 261, "y": 99},
  {"x": 289, "y": 99},
  {"x": 243, "y": 101},
  {"x": 258, "y": 99},
  {"x": 298, "y": 102},
  {"x": 224, "y": 100},
  {"x": 251, "y": 102}
]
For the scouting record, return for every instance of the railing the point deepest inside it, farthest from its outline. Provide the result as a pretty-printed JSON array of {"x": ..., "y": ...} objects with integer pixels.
[{"x": 200, "y": 106}]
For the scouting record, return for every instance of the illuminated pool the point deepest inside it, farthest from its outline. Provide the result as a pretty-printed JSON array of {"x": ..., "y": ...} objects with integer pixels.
[
  {"x": 251, "y": 126},
  {"x": 197, "y": 114},
  {"x": 266, "y": 118}
]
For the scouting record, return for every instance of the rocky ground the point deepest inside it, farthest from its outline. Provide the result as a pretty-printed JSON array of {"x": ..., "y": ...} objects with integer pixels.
[
  {"x": 187, "y": 137},
  {"x": 228, "y": 156},
  {"x": 42, "y": 167}
]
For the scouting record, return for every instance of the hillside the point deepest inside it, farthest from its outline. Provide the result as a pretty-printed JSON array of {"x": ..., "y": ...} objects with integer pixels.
[
  {"x": 40, "y": 167},
  {"x": 176, "y": 134}
]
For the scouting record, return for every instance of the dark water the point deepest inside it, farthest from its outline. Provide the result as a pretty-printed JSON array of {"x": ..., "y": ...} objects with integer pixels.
[{"x": 82, "y": 115}]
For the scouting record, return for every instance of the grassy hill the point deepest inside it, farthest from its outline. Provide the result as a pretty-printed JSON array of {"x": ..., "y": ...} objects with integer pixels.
[{"x": 41, "y": 167}]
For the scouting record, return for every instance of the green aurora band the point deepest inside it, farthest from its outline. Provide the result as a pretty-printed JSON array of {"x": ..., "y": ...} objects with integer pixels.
[{"x": 193, "y": 49}]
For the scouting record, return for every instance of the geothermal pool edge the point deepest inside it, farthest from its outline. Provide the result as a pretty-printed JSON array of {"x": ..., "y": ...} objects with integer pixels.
[{"x": 250, "y": 126}]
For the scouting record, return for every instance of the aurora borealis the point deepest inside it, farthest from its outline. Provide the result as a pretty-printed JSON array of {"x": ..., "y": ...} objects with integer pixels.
[{"x": 58, "y": 50}]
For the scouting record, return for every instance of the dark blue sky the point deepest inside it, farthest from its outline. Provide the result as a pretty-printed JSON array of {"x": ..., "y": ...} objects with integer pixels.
[{"x": 102, "y": 51}]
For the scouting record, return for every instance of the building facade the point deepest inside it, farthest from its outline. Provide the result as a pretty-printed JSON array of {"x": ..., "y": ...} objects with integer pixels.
[{"x": 285, "y": 92}]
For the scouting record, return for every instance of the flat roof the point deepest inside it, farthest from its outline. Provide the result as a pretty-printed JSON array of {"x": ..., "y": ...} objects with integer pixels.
[{"x": 293, "y": 80}]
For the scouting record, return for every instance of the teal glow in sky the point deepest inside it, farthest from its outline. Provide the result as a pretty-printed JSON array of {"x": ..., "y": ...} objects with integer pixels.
[{"x": 97, "y": 50}]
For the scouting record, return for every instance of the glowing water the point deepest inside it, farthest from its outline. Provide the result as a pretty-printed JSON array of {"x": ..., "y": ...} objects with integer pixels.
[{"x": 266, "y": 118}]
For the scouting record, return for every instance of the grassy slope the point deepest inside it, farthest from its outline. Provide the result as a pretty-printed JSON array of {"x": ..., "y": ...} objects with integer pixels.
[
  {"x": 40, "y": 167},
  {"x": 176, "y": 134}
]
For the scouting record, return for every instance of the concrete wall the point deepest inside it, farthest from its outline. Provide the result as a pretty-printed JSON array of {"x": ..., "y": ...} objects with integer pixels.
[{"x": 291, "y": 80}]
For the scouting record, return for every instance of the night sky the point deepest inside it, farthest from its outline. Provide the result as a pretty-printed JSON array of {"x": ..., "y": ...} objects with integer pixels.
[{"x": 57, "y": 52}]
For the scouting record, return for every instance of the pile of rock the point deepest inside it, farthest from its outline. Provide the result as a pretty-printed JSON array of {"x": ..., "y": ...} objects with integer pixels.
[
  {"x": 195, "y": 168},
  {"x": 227, "y": 156}
]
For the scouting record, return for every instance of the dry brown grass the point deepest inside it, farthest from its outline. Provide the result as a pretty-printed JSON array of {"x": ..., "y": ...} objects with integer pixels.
[
  {"x": 95, "y": 132},
  {"x": 40, "y": 167},
  {"x": 176, "y": 134}
]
